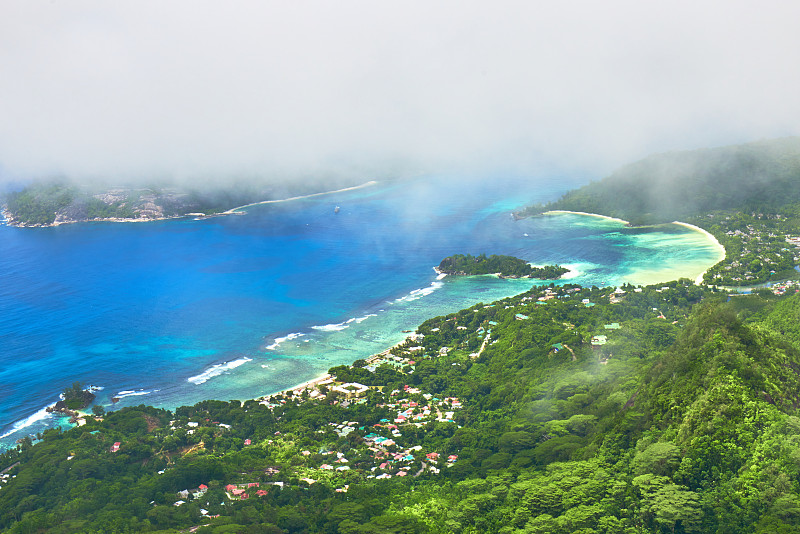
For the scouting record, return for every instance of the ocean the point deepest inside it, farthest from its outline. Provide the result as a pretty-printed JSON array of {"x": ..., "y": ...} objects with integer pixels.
[{"x": 169, "y": 313}]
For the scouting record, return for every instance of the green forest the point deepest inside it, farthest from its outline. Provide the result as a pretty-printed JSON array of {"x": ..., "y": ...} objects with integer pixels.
[
  {"x": 506, "y": 266},
  {"x": 664, "y": 409},
  {"x": 40, "y": 204},
  {"x": 758, "y": 177},
  {"x": 661, "y": 409}
]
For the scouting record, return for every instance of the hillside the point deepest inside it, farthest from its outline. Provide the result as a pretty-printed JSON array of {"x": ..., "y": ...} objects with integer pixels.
[
  {"x": 761, "y": 177},
  {"x": 564, "y": 409},
  {"x": 747, "y": 196},
  {"x": 60, "y": 202}
]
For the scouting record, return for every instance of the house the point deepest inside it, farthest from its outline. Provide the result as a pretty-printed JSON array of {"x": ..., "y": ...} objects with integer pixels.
[
  {"x": 350, "y": 390},
  {"x": 115, "y": 446}
]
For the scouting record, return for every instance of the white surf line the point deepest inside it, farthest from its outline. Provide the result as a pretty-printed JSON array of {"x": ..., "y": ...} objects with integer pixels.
[
  {"x": 24, "y": 423},
  {"x": 720, "y": 248},
  {"x": 555, "y": 212},
  {"x": 366, "y": 184}
]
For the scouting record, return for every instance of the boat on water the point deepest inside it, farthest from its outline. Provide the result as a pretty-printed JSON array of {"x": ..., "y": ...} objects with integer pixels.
[{"x": 336, "y": 209}]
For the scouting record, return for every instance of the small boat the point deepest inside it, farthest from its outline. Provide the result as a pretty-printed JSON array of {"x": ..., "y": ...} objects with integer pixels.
[{"x": 336, "y": 209}]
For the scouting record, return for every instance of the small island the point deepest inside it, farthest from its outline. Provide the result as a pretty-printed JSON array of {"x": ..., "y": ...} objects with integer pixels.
[
  {"x": 504, "y": 266},
  {"x": 74, "y": 398}
]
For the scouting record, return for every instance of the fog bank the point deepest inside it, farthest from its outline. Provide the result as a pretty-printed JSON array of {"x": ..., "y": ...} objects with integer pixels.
[{"x": 200, "y": 90}]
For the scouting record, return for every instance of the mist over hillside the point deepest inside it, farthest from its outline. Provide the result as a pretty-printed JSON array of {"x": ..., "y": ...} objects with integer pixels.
[{"x": 759, "y": 176}]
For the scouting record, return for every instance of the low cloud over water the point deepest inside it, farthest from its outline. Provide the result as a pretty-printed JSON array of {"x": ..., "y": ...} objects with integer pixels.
[{"x": 195, "y": 90}]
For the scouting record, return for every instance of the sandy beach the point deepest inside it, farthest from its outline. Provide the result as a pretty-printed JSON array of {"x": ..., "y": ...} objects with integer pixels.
[
  {"x": 313, "y": 383},
  {"x": 711, "y": 238},
  {"x": 716, "y": 244},
  {"x": 309, "y": 384}
]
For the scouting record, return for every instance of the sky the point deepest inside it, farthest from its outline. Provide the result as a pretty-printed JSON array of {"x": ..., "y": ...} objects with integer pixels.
[{"x": 199, "y": 90}]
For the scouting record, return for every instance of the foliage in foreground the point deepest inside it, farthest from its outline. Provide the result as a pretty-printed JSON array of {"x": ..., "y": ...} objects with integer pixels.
[{"x": 670, "y": 411}]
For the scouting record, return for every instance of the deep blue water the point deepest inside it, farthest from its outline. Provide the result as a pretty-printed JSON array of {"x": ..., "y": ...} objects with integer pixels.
[{"x": 172, "y": 312}]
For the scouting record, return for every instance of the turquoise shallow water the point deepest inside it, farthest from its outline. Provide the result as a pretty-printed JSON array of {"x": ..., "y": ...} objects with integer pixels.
[{"x": 173, "y": 312}]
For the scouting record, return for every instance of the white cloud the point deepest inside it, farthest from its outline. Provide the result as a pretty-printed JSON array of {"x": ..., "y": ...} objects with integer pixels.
[{"x": 187, "y": 88}]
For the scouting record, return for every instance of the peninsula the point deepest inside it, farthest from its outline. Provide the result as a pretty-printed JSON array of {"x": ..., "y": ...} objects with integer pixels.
[{"x": 58, "y": 202}]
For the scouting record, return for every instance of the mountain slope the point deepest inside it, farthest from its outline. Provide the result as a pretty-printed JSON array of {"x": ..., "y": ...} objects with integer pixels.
[{"x": 760, "y": 176}]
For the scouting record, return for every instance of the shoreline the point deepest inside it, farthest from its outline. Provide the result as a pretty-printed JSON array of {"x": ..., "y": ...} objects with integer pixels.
[
  {"x": 298, "y": 389},
  {"x": 324, "y": 377},
  {"x": 720, "y": 248},
  {"x": 10, "y": 221},
  {"x": 722, "y": 253},
  {"x": 606, "y": 217}
]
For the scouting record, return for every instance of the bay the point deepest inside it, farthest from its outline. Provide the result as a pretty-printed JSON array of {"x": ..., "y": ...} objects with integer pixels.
[{"x": 172, "y": 312}]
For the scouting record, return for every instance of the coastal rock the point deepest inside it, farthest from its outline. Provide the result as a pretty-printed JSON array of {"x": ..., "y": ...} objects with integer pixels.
[{"x": 75, "y": 402}]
